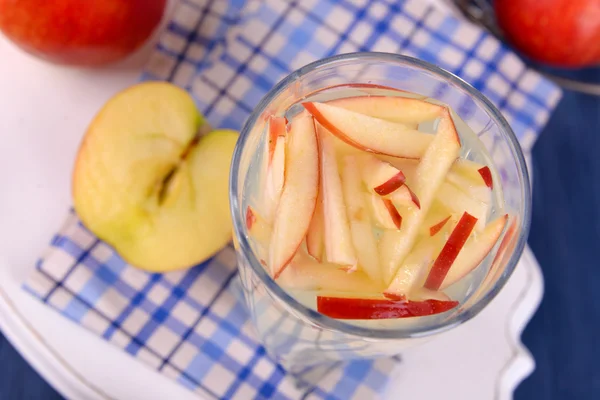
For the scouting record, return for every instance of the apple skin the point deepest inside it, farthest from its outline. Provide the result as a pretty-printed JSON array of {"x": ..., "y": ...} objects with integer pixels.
[
  {"x": 564, "y": 33},
  {"x": 82, "y": 33}
]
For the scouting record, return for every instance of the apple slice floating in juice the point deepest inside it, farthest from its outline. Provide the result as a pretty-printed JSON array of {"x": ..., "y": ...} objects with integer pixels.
[
  {"x": 391, "y": 108},
  {"x": 361, "y": 227},
  {"x": 380, "y": 176},
  {"x": 431, "y": 171},
  {"x": 338, "y": 240},
  {"x": 315, "y": 235},
  {"x": 380, "y": 211},
  {"x": 458, "y": 202},
  {"x": 260, "y": 232},
  {"x": 353, "y": 308},
  {"x": 299, "y": 197},
  {"x": 474, "y": 189},
  {"x": 450, "y": 252},
  {"x": 474, "y": 251},
  {"x": 370, "y": 134}
]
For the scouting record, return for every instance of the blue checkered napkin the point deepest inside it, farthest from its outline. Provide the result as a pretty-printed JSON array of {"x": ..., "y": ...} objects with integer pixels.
[{"x": 190, "y": 325}]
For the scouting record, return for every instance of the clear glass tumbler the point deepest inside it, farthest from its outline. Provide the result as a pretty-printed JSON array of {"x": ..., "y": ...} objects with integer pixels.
[{"x": 299, "y": 337}]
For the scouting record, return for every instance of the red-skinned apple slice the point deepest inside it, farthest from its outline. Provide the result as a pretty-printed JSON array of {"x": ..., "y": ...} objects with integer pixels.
[
  {"x": 353, "y": 308},
  {"x": 277, "y": 129},
  {"x": 370, "y": 134},
  {"x": 468, "y": 169},
  {"x": 304, "y": 273},
  {"x": 338, "y": 239},
  {"x": 379, "y": 212},
  {"x": 391, "y": 108},
  {"x": 315, "y": 235},
  {"x": 458, "y": 202},
  {"x": 486, "y": 175},
  {"x": 361, "y": 229},
  {"x": 387, "y": 187},
  {"x": 474, "y": 189},
  {"x": 422, "y": 294},
  {"x": 394, "y": 214},
  {"x": 474, "y": 251},
  {"x": 450, "y": 252},
  {"x": 298, "y": 199},
  {"x": 260, "y": 231},
  {"x": 380, "y": 176},
  {"x": 431, "y": 171}
]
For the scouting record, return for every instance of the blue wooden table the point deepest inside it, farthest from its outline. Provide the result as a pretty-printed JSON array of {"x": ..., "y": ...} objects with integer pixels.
[{"x": 564, "y": 335}]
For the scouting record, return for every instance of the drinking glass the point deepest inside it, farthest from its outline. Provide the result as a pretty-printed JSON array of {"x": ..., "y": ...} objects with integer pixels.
[{"x": 300, "y": 337}]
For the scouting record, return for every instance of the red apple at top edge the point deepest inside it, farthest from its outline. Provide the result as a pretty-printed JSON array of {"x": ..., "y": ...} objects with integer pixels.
[
  {"x": 76, "y": 32},
  {"x": 564, "y": 33}
]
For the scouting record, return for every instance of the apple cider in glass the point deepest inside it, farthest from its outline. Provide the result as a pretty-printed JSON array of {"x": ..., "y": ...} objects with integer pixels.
[
  {"x": 374, "y": 204},
  {"x": 369, "y": 218}
]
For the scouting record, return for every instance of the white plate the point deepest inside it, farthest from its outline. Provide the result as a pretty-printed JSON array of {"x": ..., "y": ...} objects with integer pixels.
[{"x": 45, "y": 110}]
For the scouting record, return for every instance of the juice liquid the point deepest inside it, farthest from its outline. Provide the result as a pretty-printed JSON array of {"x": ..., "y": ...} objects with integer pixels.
[{"x": 471, "y": 149}]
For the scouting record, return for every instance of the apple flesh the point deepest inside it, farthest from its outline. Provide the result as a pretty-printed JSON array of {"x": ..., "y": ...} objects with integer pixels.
[
  {"x": 458, "y": 202},
  {"x": 363, "y": 238},
  {"x": 404, "y": 110},
  {"x": 315, "y": 235},
  {"x": 450, "y": 252},
  {"x": 380, "y": 213},
  {"x": 431, "y": 171},
  {"x": 474, "y": 251},
  {"x": 353, "y": 308},
  {"x": 72, "y": 32},
  {"x": 299, "y": 197},
  {"x": 370, "y": 134},
  {"x": 146, "y": 184},
  {"x": 338, "y": 239}
]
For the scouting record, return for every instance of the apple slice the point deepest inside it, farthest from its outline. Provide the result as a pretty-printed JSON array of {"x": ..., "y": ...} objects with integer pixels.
[
  {"x": 450, "y": 252},
  {"x": 394, "y": 214},
  {"x": 380, "y": 176},
  {"x": 474, "y": 189},
  {"x": 315, "y": 235},
  {"x": 299, "y": 197},
  {"x": 148, "y": 185},
  {"x": 353, "y": 308},
  {"x": 468, "y": 169},
  {"x": 370, "y": 134},
  {"x": 458, "y": 202},
  {"x": 422, "y": 294},
  {"x": 380, "y": 211},
  {"x": 260, "y": 231},
  {"x": 304, "y": 273},
  {"x": 434, "y": 229},
  {"x": 404, "y": 196},
  {"x": 391, "y": 108},
  {"x": 474, "y": 251},
  {"x": 361, "y": 228},
  {"x": 413, "y": 271},
  {"x": 408, "y": 166},
  {"x": 338, "y": 239},
  {"x": 276, "y": 129},
  {"x": 486, "y": 175},
  {"x": 431, "y": 171}
]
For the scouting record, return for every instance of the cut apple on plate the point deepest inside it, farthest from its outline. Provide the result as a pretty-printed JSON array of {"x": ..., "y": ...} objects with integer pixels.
[
  {"x": 431, "y": 171},
  {"x": 391, "y": 108},
  {"x": 370, "y": 134},
  {"x": 363, "y": 238},
  {"x": 304, "y": 273},
  {"x": 474, "y": 251},
  {"x": 458, "y": 202},
  {"x": 354, "y": 308},
  {"x": 147, "y": 184},
  {"x": 299, "y": 196},
  {"x": 450, "y": 252},
  {"x": 338, "y": 239}
]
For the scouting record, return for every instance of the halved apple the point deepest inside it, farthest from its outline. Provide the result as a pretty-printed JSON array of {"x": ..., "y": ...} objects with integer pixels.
[
  {"x": 391, "y": 108},
  {"x": 338, "y": 239},
  {"x": 450, "y": 252},
  {"x": 474, "y": 251},
  {"x": 431, "y": 171},
  {"x": 353, "y": 308},
  {"x": 370, "y": 134},
  {"x": 147, "y": 184},
  {"x": 299, "y": 197},
  {"x": 361, "y": 228}
]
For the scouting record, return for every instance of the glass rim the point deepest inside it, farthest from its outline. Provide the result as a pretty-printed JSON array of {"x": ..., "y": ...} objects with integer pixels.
[{"x": 340, "y": 325}]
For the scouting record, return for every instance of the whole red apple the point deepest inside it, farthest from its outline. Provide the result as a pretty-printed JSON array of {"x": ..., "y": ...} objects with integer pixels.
[
  {"x": 558, "y": 32},
  {"x": 80, "y": 32}
]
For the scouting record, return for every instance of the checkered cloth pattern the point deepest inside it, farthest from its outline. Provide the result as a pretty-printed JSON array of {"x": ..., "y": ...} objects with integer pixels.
[{"x": 192, "y": 325}]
